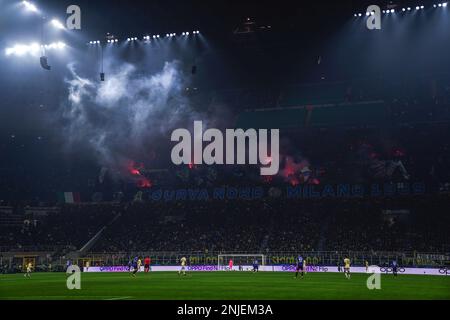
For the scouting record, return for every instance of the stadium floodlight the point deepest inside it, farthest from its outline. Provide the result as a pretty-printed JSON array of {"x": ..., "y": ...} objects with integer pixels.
[
  {"x": 29, "y": 6},
  {"x": 32, "y": 49},
  {"x": 422, "y": 7},
  {"x": 57, "y": 24},
  {"x": 392, "y": 10},
  {"x": 60, "y": 45},
  {"x": 409, "y": 9},
  {"x": 444, "y": 4}
]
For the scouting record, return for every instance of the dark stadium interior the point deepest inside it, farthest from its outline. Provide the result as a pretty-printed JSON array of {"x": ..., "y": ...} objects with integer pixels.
[{"x": 364, "y": 121}]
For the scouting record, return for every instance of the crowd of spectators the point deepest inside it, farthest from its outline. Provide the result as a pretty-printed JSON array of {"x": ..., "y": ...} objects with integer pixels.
[
  {"x": 66, "y": 230},
  {"x": 283, "y": 226},
  {"x": 410, "y": 223}
]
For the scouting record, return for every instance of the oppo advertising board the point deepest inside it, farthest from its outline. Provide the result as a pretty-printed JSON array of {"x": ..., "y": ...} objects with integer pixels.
[{"x": 282, "y": 268}]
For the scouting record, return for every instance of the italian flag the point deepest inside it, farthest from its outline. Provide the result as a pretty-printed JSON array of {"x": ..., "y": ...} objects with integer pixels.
[{"x": 69, "y": 197}]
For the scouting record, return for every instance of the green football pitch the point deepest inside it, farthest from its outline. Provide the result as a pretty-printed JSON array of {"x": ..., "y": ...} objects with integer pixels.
[{"x": 220, "y": 286}]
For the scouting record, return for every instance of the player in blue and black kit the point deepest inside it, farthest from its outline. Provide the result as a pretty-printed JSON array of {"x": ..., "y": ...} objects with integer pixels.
[
  {"x": 394, "y": 268},
  {"x": 301, "y": 263},
  {"x": 255, "y": 265},
  {"x": 134, "y": 266}
]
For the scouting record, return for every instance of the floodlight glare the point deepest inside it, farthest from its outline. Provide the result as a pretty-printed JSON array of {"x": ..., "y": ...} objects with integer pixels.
[
  {"x": 32, "y": 49},
  {"x": 444, "y": 4},
  {"x": 29, "y": 6},
  {"x": 57, "y": 24}
]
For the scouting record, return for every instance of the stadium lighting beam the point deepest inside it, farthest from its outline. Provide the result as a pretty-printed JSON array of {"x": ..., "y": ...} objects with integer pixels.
[
  {"x": 30, "y": 6},
  {"x": 32, "y": 49},
  {"x": 57, "y": 24}
]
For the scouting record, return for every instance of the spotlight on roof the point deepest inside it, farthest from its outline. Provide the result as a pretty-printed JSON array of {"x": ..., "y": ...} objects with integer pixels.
[
  {"x": 57, "y": 24},
  {"x": 29, "y": 6}
]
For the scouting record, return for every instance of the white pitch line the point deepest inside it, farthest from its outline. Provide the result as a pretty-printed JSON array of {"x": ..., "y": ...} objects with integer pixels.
[{"x": 119, "y": 298}]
